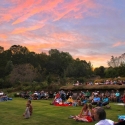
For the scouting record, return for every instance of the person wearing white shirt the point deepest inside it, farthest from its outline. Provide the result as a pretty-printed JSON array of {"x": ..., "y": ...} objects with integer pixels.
[{"x": 100, "y": 116}]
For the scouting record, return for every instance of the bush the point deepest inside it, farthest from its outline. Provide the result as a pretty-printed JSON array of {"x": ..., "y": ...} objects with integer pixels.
[
  {"x": 9, "y": 90},
  {"x": 11, "y": 95},
  {"x": 16, "y": 94},
  {"x": 26, "y": 88},
  {"x": 54, "y": 87},
  {"x": 38, "y": 87}
]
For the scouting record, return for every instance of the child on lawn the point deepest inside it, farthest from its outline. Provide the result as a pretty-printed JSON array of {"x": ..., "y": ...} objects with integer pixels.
[
  {"x": 30, "y": 107},
  {"x": 27, "y": 112}
]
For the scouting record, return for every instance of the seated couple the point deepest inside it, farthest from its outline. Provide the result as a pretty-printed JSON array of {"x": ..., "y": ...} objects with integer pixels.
[{"x": 97, "y": 101}]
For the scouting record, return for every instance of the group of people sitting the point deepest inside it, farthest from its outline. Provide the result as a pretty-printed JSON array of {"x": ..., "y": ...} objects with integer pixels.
[
  {"x": 101, "y": 98},
  {"x": 90, "y": 114},
  {"x": 96, "y": 98},
  {"x": 59, "y": 101},
  {"x": 37, "y": 95},
  {"x": 100, "y": 101},
  {"x": 79, "y": 98},
  {"x": 4, "y": 97}
]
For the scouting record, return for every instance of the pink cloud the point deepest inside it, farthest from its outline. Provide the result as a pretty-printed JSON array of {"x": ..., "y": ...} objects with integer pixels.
[
  {"x": 71, "y": 40},
  {"x": 6, "y": 17},
  {"x": 25, "y": 29},
  {"x": 9, "y": 13},
  {"x": 3, "y": 36},
  {"x": 41, "y": 46},
  {"x": 118, "y": 44},
  {"x": 17, "y": 8},
  {"x": 20, "y": 11},
  {"x": 36, "y": 9},
  {"x": 76, "y": 9},
  {"x": 64, "y": 36}
]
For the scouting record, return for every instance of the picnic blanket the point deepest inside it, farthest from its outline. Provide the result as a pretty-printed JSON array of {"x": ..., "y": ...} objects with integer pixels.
[{"x": 63, "y": 104}]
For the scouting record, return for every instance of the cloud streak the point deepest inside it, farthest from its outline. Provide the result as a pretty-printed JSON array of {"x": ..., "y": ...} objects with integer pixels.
[
  {"x": 118, "y": 44},
  {"x": 23, "y": 29}
]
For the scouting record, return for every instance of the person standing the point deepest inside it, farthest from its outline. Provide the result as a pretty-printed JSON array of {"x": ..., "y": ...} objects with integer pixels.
[
  {"x": 27, "y": 112},
  {"x": 30, "y": 107},
  {"x": 117, "y": 94}
]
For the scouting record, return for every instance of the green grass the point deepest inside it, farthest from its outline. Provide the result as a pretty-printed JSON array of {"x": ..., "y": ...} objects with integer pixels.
[{"x": 46, "y": 114}]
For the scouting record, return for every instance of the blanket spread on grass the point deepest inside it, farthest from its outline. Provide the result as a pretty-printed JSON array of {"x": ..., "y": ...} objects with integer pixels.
[{"x": 63, "y": 104}]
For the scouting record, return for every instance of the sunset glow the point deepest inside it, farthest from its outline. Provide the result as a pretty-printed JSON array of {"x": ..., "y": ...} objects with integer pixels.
[{"x": 91, "y": 30}]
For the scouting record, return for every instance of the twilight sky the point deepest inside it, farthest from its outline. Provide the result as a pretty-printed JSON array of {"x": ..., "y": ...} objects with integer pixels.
[{"x": 91, "y": 30}]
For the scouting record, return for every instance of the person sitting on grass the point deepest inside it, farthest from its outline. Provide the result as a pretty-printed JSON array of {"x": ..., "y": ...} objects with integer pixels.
[
  {"x": 84, "y": 101},
  {"x": 123, "y": 98},
  {"x": 91, "y": 111},
  {"x": 75, "y": 103},
  {"x": 112, "y": 96},
  {"x": 58, "y": 101},
  {"x": 104, "y": 102},
  {"x": 78, "y": 100},
  {"x": 69, "y": 100},
  {"x": 95, "y": 100},
  {"x": 84, "y": 115}
]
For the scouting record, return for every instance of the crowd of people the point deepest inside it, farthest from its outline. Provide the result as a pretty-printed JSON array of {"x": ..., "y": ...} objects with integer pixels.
[
  {"x": 97, "y": 98},
  {"x": 104, "y": 82},
  {"x": 87, "y": 114},
  {"x": 37, "y": 95},
  {"x": 111, "y": 82},
  {"x": 92, "y": 103}
]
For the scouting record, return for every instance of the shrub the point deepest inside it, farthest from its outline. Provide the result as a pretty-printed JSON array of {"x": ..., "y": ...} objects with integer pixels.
[
  {"x": 16, "y": 94},
  {"x": 26, "y": 88},
  {"x": 9, "y": 90},
  {"x": 38, "y": 87}
]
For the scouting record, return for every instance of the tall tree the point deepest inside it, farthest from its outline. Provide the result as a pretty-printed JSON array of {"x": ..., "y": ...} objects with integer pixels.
[
  {"x": 58, "y": 62},
  {"x": 100, "y": 71},
  {"x": 78, "y": 68}
]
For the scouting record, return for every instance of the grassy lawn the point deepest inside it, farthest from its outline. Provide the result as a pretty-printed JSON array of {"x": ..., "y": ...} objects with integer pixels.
[{"x": 46, "y": 114}]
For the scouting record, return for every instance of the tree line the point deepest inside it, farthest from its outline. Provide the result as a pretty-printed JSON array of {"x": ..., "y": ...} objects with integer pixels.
[{"x": 20, "y": 67}]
